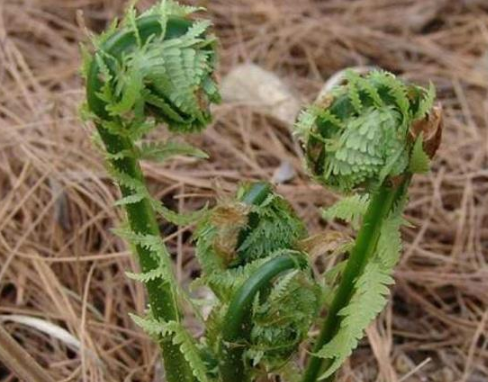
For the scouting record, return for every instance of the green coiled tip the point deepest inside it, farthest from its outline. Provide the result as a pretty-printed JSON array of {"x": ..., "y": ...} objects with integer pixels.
[
  {"x": 249, "y": 246},
  {"x": 363, "y": 132},
  {"x": 252, "y": 226},
  {"x": 154, "y": 67}
]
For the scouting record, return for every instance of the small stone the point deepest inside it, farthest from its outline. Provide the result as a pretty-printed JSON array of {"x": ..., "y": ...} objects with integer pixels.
[{"x": 284, "y": 173}]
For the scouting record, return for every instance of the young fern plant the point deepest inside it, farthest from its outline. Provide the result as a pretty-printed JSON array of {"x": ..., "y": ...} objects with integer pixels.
[
  {"x": 267, "y": 297},
  {"x": 366, "y": 139},
  {"x": 152, "y": 68}
]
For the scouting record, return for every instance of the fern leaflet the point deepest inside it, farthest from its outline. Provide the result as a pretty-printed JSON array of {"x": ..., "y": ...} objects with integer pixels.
[
  {"x": 180, "y": 337},
  {"x": 163, "y": 151},
  {"x": 350, "y": 209},
  {"x": 419, "y": 160},
  {"x": 369, "y": 298}
]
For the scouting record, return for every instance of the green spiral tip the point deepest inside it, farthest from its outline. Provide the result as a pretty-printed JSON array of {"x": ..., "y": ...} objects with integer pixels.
[
  {"x": 249, "y": 251},
  {"x": 154, "y": 67},
  {"x": 363, "y": 132},
  {"x": 253, "y": 226}
]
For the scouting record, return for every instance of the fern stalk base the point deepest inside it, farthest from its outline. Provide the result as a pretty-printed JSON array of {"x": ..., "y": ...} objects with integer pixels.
[
  {"x": 382, "y": 202},
  {"x": 142, "y": 219}
]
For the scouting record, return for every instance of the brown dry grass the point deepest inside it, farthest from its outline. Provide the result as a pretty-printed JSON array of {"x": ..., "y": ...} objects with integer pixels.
[{"x": 60, "y": 263}]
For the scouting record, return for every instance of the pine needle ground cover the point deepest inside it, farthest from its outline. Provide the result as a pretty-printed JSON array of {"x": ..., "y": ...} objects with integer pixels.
[{"x": 61, "y": 263}]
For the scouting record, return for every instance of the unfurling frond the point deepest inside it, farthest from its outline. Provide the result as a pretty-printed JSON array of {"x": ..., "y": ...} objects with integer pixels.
[
  {"x": 157, "y": 65},
  {"x": 152, "y": 68},
  {"x": 305, "y": 122},
  {"x": 237, "y": 233},
  {"x": 234, "y": 241},
  {"x": 282, "y": 321},
  {"x": 362, "y": 134}
]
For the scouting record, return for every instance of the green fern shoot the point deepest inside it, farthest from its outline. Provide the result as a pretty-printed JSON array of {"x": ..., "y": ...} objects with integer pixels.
[
  {"x": 366, "y": 139},
  {"x": 148, "y": 69},
  {"x": 267, "y": 298}
]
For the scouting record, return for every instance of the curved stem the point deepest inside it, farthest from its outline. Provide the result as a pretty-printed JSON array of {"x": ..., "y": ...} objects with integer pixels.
[
  {"x": 382, "y": 202},
  {"x": 141, "y": 215},
  {"x": 142, "y": 219},
  {"x": 256, "y": 195},
  {"x": 237, "y": 322},
  {"x": 121, "y": 42}
]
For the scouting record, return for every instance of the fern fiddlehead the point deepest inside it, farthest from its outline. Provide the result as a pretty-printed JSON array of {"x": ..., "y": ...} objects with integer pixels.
[
  {"x": 237, "y": 322},
  {"x": 152, "y": 68},
  {"x": 267, "y": 295},
  {"x": 367, "y": 137}
]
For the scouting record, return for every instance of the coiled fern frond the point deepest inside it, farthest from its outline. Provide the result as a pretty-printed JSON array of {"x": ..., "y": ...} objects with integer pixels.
[
  {"x": 361, "y": 133},
  {"x": 366, "y": 138},
  {"x": 156, "y": 67},
  {"x": 235, "y": 242},
  {"x": 250, "y": 227}
]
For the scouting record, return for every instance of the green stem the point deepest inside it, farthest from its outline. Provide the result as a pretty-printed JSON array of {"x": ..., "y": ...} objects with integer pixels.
[
  {"x": 142, "y": 219},
  {"x": 382, "y": 202},
  {"x": 141, "y": 215},
  {"x": 237, "y": 322},
  {"x": 256, "y": 195}
]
